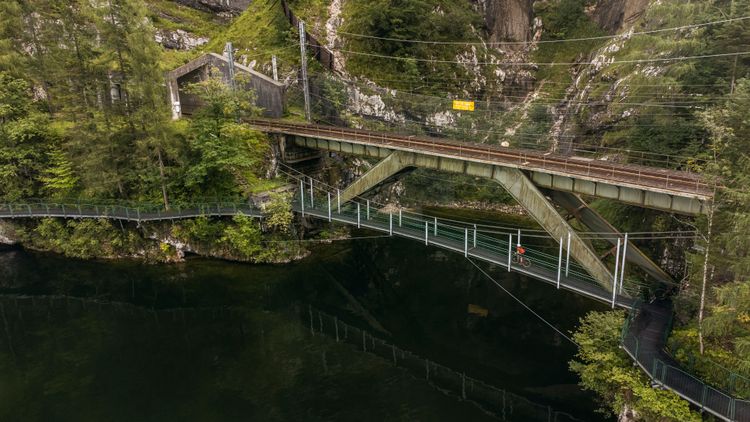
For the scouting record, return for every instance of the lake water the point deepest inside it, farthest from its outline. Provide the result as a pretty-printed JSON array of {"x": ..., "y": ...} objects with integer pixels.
[{"x": 208, "y": 340}]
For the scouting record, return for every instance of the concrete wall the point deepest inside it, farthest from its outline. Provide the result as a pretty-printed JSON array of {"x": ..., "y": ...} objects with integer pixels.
[{"x": 269, "y": 93}]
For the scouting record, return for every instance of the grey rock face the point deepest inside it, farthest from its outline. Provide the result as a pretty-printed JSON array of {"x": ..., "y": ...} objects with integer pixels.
[
  {"x": 614, "y": 15},
  {"x": 508, "y": 20},
  {"x": 179, "y": 39}
]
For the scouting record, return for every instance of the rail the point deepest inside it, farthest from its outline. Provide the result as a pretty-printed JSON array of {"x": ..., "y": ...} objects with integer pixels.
[{"x": 642, "y": 177}]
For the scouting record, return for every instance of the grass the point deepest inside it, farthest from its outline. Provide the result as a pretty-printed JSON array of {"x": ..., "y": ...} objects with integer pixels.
[{"x": 171, "y": 15}]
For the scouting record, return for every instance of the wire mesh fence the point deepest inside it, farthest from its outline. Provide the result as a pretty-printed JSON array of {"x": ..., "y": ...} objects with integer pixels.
[
  {"x": 501, "y": 403},
  {"x": 638, "y": 341}
]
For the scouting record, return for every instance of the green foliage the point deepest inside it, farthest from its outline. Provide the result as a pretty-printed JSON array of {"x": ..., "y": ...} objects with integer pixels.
[
  {"x": 437, "y": 20},
  {"x": 259, "y": 33},
  {"x": 81, "y": 239},
  {"x": 225, "y": 154},
  {"x": 59, "y": 179},
  {"x": 278, "y": 212},
  {"x": 244, "y": 236},
  {"x": 605, "y": 369},
  {"x": 729, "y": 322},
  {"x": 24, "y": 140}
]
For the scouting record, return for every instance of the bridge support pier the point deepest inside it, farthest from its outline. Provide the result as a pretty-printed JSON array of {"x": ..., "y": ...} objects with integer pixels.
[
  {"x": 531, "y": 198},
  {"x": 389, "y": 166},
  {"x": 577, "y": 207},
  {"x": 515, "y": 181}
]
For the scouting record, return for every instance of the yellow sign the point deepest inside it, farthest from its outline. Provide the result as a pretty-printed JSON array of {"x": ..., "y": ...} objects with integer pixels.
[{"x": 463, "y": 105}]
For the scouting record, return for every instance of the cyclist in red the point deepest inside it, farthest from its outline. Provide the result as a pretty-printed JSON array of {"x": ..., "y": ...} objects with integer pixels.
[{"x": 520, "y": 256}]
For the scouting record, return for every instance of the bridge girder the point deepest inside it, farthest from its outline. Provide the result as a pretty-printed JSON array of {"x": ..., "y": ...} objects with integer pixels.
[{"x": 513, "y": 180}]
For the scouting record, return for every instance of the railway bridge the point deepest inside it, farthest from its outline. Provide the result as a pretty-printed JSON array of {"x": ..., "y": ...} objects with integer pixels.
[{"x": 541, "y": 182}]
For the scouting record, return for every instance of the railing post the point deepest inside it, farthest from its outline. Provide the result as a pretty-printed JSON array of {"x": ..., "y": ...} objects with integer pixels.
[
  {"x": 46, "y": 207},
  {"x": 614, "y": 284},
  {"x": 435, "y": 221},
  {"x": 312, "y": 197},
  {"x": 426, "y": 231},
  {"x": 624, "y": 257},
  {"x": 475, "y": 235},
  {"x": 329, "y": 207},
  {"x": 703, "y": 396},
  {"x": 10, "y": 207},
  {"x": 368, "y": 210},
  {"x": 399, "y": 217},
  {"x": 466, "y": 242},
  {"x": 559, "y": 263},
  {"x": 510, "y": 249},
  {"x": 390, "y": 223},
  {"x": 302, "y": 196},
  {"x": 519, "y": 237},
  {"x": 567, "y": 257},
  {"x": 138, "y": 211},
  {"x": 338, "y": 201},
  {"x": 80, "y": 214}
]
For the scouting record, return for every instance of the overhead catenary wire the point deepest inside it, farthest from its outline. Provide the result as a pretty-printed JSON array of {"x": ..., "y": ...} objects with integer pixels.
[
  {"x": 645, "y": 155},
  {"x": 520, "y": 302},
  {"x": 534, "y": 64},
  {"x": 553, "y": 41}
]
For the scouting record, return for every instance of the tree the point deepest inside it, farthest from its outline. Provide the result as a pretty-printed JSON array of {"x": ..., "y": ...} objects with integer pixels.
[
  {"x": 278, "y": 211},
  {"x": 24, "y": 139},
  {"x": 605, "y": 369},
  {"x": 225, "y": 155}
]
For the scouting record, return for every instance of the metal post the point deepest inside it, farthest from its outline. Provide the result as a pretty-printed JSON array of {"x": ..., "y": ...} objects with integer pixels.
[
  {"x": 390, "y": 223},
  {"x": 302, "y": 196},
  {"x": 475, "y": 235},
  {"x": 368, "y": 210},
  {"x": 519, "y": 237},
  {"x": 312, "y": 199},
  {"x": 617, "y": 264},
  {"x": 303, "y": 54},
  {"x": 338, "y": 201},
  {"x": 426, "y": 231},
  {"x": 275, "y": 69},
  {"x": 399, "y": 217},
  {"x": 435, "y": 226},
  {"x": 229, "y": 51},
  {"x": 622, "y": 265},
  {"x": 559, "y": 263},
  {"x": 357, "y": 214},
  {"x": 329, "y": 207},
  {"x": 510, "y": 248},
  {"x": 466, "y": 242},
  {"x": 567, "y": 257}
]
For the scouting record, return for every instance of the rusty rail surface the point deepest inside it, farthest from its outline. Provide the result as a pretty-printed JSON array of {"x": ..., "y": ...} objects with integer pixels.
[{"x": 677, "y": 182}]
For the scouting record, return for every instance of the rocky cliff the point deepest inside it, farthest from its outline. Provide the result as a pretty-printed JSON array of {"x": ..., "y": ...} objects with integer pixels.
[
  {"x": 615, "y": 15},
  {"x": 508, "y": 20}
]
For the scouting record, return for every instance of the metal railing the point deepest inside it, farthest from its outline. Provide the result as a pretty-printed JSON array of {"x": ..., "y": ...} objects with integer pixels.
[
  {"x": 634, "y": 175},
  {"x": 503, "y": 404},
  {"x": 111, "y": 210},
  {"x": 664, "y": 371}
]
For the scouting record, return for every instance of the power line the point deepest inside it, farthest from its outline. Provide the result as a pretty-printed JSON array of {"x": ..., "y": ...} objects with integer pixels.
[
  {"x": 520, "y": 302},
  {"x": 602, "y": 37},
  {"x": 534, "y": 64}
]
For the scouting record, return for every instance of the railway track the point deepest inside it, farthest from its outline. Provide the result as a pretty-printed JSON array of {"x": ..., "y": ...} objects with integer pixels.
[{"x": 649, "y": 178}]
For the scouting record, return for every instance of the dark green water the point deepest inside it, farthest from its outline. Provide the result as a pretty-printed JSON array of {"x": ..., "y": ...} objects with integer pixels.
[{"x": 217, "y": 341}]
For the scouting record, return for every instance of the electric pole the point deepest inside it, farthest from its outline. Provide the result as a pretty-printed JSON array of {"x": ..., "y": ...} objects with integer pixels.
[{"x": 305, "y": 87}]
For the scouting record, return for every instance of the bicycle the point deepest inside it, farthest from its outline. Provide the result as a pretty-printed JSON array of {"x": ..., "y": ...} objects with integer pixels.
[{"x": 520, "y": 260}]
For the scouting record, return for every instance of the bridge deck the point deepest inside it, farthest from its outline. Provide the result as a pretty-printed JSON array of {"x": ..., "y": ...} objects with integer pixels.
[
  {"x": 487, "y": 248},
  {"x": 669, "y": 181}
]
